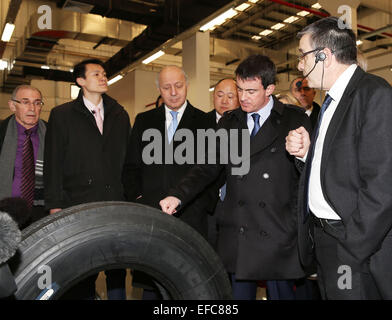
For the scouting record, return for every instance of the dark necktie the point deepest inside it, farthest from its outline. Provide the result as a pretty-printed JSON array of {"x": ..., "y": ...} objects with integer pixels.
[
  {"x": 309, "y": 159},
  {"x": 256, "y": 118},
  {"x": 28, "y": 170}
]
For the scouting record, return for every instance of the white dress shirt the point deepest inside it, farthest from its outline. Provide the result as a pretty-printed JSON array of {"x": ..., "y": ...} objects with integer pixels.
[
  {"x": 317, "y": 203},
  {"x": 218, "y": 116},
  {"x": 264, "y": 113},
  {"x": 90, "y": 106},
  {"x": 169, "y": 117}
]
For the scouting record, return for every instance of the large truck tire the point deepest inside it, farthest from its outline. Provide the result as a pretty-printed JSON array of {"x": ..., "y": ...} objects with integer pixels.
[{"x": 66, "y": 247}]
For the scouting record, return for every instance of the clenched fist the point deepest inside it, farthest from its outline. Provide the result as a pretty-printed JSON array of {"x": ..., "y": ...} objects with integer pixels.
[
  {"x": 169, "y": 204},
  {"x": 298, "y": 142}
]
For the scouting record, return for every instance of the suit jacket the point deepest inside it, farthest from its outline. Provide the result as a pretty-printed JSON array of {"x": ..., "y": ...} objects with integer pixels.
[
  {"x": 314, "y": 115},
  {"x": 150, "y": 183},
  {"x": 81, "y": 165},
  {"x": 257, "y": 221},
  {"x": 356, "y": 175}
]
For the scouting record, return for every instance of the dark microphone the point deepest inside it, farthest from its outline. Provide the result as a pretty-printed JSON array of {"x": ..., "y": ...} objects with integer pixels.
[
  {"x": 93, "y": 112},
  {"x": 10, "y": 237},
  {"x": 299, "y": 83}
]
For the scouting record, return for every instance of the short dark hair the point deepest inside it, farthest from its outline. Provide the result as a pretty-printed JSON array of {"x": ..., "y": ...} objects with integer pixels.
[
  {"x": 79, "y": 70},
  {"x": 257, "y": 66},
  {"x": 326, "y": 33}
]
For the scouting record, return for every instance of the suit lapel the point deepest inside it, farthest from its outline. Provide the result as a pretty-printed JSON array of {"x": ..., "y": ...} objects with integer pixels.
[
  {"x": 79, "y": 106},
  {"x": 336, "y": 121},
  {"x": 187, "y": 118},
  {"x": 268, "y": 133},
  {"x": 159, "y": 120}
]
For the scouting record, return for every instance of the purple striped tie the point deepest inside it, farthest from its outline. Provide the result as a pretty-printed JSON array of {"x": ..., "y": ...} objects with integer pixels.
[{"x": 28, "y": 170}]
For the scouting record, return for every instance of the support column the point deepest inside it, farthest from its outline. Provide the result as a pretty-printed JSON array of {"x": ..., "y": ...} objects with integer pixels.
[
  {"x": 196, "y": 64},
  {"x": 336, "y": 8}
]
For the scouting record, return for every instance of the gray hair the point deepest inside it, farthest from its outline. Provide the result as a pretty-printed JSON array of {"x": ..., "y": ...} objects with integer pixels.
[
  {"x": 326, "y": 33},
  {"x": 24, "y": 86}
]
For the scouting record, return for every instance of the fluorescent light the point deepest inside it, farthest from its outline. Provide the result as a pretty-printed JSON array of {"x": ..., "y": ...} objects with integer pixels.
[
  {"x": 265, "y": 32},
  {"x": 7, "y": 33},
  {"x": 278, "y": 26},
  {"x": 71, "y": 70},
  {"x": 303, "y": 13},
  {"x": 242, "y": 7},
  {"x": 256, "y": 37},
  {"x": 3, "y": 64},
  {"x": 211, "y": 89},
  {"x": 115, "y": 79},
  {"x": 219, "y": 19},
  {"x": 359, "y": 42},
  {"x": 317, "y": 6},
  {"x": 254, "y": 1},
  {"x": 291, "y": 19},
  {"x": 45, "y": 67},
  {"x": 153, "y": 57}
]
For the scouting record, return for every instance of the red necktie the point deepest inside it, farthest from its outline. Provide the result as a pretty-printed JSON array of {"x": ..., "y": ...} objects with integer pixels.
[{"x": 28, "y": 170}]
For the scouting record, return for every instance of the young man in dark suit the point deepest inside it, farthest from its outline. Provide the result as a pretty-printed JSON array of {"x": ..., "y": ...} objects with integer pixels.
[
  {"x": 305, "y": 95},
  {"x": 257, "y": 237},
  {"x": 345, "y": 191},
  {"x": 85, "y": 150}
]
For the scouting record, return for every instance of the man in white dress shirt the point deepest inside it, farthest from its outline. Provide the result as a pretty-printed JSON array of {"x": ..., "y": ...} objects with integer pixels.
[{"x": 345, "y": 192}]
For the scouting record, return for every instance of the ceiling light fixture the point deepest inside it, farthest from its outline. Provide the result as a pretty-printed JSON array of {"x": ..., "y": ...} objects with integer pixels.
[
  {"x": 7, "y": 33},
  {"x": 242, "y": 7},
  {"x": 359, "y": 42},
  {"x": 278, "y": 26},
  {"x": 317, "y": 6},
  {"x": 254, "y": 1},
  {"x": 256, "y": 37},
  {"x": 45, "y": 67},
  {"x": 115, "y": 79},
  {"x": 291, "y": 19},
  {"x": 265, "y": 32},
  {"x": 153, "y": 57},
  {"x": 219, "y": 19},
  {"x": 302, "y": 13}
]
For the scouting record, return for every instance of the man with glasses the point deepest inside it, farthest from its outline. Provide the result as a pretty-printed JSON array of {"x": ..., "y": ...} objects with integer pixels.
[
  {"x": 22, "y": 151},
  {"x": 301, "y": 91}
]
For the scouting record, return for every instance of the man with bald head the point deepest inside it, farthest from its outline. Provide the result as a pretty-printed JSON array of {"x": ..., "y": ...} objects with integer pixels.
[
  {"x": 148, "y": 183},
  {"x": 22, "y": 138},
  {"x": 225, "y": 98},
  {"x": 300, "y": 89}
]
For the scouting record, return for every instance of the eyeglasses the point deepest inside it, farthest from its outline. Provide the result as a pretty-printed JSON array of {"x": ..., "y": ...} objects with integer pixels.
[
  {"x": 26, "y": 102},
  {"x": 303, "y": 55},
  {"x": 302, "y": 88}
]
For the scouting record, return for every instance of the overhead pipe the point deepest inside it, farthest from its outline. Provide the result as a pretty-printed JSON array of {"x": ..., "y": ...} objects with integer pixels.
[{"x": 321, "y": 14}]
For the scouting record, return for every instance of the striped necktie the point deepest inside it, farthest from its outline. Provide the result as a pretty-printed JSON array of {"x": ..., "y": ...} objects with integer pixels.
[{"x": 28, "y": 170}]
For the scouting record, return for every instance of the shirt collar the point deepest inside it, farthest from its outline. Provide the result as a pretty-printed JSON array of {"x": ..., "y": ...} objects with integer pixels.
[
  {"x": 265, "y": 111},
  {"x": 22, "y": 129},
  {"x": 180, "y": 110},
  {"x": 337, "y": 89},
  {"x": 91, "y": 105},
  {"x": 218, "y": 116}
]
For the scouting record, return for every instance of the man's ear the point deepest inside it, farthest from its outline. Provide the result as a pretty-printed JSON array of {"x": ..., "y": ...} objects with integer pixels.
[
  {"x": 80, "y": 81},
  {"x": 328, "y": 57},
  {"x": 11, "y": 105},
  {"x": 270, "y": 89}
]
